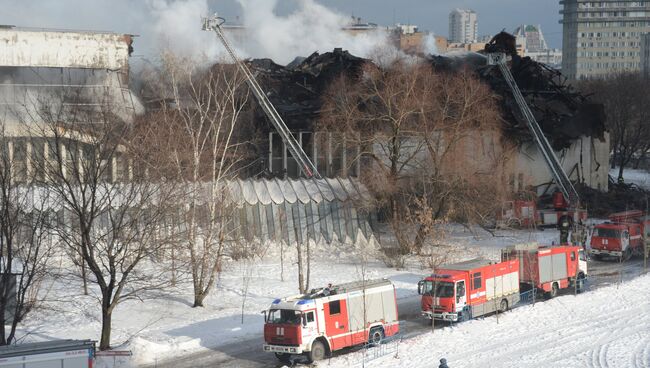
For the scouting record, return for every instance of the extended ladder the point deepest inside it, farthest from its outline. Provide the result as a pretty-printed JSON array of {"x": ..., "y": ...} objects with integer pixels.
[
  {"x": 560, "y": 176},
  {"x": 306, "y": 165}
]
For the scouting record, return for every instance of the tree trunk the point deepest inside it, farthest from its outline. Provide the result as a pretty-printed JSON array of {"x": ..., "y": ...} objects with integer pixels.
[
  {"x": 620, "y": 170},
  {"x": 105, "y": 342},
  {"x": 301, "y": 276},
  {"x": 198, "y": 299},
  {"x": 84, "y": 277}
]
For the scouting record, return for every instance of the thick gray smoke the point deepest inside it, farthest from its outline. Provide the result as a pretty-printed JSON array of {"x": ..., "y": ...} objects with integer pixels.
[{"x": 311, "y": 27}]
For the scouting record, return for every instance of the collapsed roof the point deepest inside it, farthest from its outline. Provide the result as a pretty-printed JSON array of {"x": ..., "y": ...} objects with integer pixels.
[
  {"x": 564, "y": 114},
  {"x": 296, "y": 89}
]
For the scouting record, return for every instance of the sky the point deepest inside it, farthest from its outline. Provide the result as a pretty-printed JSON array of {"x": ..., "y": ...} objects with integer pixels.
[
  {"x": 433, "y": 15},
  {"x": 176, "y": 21}
]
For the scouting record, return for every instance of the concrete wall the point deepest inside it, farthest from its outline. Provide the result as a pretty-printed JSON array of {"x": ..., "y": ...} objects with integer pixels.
[
  {"x": 586, "y": 161},
  {"x": 63, "y": 49}
]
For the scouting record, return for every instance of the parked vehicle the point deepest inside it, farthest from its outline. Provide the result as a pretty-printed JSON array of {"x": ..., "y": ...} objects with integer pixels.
[
  {"x": 550, "y": 217},
  {"x": 331, "y": 318},
  {"x": 57, "y": 353},
  {"x": 548, "y": 269},
  {"x": 465, "y": 290},
  {"x": 620, "y": 237}
]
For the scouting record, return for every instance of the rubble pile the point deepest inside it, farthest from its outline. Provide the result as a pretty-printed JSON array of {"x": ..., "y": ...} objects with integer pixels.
[
  {"x": 296, "y": 89},
  {"x": 620, "y": 197},
  {"x": 563, "y": 113}
]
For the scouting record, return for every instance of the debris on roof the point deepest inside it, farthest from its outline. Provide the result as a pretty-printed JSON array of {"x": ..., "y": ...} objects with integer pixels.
[
  {"x": 296, "y": 89},
  {"x": 563, "y": 113}
]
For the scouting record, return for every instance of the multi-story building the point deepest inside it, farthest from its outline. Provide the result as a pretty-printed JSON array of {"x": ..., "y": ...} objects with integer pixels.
[
  {"x": 531, "y": 43},
  {"x": 463, "y": 26},
  {"x": 533, "y": 35},
  {"x": 602, "y": 37},
  {"x": 645, "y": 54}
]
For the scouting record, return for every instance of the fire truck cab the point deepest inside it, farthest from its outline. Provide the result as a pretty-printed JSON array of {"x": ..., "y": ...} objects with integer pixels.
[
  {"x": 331, "y": 318},
  {"x": 470, "y": 289},
  {"x": 620, "y": 237}
]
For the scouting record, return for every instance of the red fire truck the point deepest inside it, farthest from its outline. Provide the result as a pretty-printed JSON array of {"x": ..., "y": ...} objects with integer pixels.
[
  {"x": 332, "y": 318},
  {"x": 551, "y": 216},
  {"x": 548, "y": 268},
  {"x": 465, "y": 290},
  {"x": 621, "y": 236}
]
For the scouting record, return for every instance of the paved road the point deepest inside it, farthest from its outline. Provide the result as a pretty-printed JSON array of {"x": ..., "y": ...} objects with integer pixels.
[{"x": 248, "y": 354}]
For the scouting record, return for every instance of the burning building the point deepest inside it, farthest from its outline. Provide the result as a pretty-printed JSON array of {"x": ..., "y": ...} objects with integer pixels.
[{"x": 573, "y": 125}]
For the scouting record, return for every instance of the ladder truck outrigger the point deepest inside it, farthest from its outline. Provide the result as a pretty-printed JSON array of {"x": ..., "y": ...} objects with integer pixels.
[{"x": 569, "y": 209}]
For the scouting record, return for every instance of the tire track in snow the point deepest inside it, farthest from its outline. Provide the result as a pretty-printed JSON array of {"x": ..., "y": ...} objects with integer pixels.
[
  {"x": 641, "y": 357},
  {"x": 544, "y": 339}
]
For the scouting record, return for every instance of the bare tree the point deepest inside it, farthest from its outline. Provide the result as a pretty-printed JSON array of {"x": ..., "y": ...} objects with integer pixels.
[
  {"x": 202, "y": 135},
  {"x": 110, "y": 212},
  {"x": 628, "y": 115},
  {"x": 414, "y": 125},
  {"x": 25, "y": 242}
]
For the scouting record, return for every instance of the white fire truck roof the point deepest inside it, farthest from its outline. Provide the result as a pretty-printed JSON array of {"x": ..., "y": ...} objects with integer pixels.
[
  {"x": 467, "y": 265},
  {"x": 302, "y": 301}
]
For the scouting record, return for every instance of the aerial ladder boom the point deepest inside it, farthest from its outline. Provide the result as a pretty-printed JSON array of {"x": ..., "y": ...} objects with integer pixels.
[
  {"x": 306, "y": 165},
  {"x": 559, "y": 175}
]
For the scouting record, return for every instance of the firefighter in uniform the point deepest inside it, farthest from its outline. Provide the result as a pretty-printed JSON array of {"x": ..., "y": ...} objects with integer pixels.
[
  {"x": 579, "y": 235},
  {"x": 564, "y": 225}
]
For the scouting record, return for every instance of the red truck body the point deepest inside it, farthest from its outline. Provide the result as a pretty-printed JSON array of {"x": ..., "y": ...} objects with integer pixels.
[
  {"x": 621, "y": 237},
  {"x": 329, "y": 319},
  {"x": 547, "y": 268},
  {"x": 470, "y": 289}
]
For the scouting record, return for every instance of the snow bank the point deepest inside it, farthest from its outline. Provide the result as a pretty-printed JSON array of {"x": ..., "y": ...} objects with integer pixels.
[{"x": 609, "y": 327}]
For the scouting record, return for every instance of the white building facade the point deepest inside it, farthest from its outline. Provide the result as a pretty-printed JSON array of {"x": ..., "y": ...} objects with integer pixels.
[{"x": 463, "y": 26}]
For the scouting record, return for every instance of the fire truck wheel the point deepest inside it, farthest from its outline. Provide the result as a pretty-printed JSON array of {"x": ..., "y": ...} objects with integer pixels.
[
  {"x": 376, "y": 336},
  {"x": 283, "y": 357},
  {"x": 504, "y": 306},
  {"x": 554, "y": 290},
  {"x": 317, "y": 352}
]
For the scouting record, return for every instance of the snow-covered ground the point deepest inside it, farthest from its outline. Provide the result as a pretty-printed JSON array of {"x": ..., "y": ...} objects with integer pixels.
[
  {"x": 167, "y": 327},
  {"x": 632, "y": 176},
  {"x": 608, "y": 327}
]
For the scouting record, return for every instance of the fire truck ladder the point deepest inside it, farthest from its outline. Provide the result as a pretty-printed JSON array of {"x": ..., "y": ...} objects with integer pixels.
[
  {"x": 306, "y": 165},
  {"x": 560, "y": 176}
]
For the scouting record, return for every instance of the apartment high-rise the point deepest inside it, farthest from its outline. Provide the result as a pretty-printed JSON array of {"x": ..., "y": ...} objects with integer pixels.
[
  {"x": 602, "y": 37},
  {"x": 463, "y": 26}
]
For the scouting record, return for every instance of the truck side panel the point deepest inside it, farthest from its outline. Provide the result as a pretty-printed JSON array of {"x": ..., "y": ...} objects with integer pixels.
[
  {"x": 552, "y": 267},
  {"x": 498, "y": 286}
]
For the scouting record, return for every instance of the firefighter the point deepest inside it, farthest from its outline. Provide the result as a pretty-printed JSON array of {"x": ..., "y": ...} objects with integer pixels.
[
  {"x": 328, "y": 290},
  {"x": 564, "y": 225},
  {"x": 443, "y": 363},
  {"x": 579, "y": 234}
]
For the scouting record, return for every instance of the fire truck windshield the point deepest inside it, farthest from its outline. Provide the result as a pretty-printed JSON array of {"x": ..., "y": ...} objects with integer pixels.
[
  {"x": 443, "y": 289},
  {"x": 606, "y": 233},
  {"x": 284, "y": 316}
]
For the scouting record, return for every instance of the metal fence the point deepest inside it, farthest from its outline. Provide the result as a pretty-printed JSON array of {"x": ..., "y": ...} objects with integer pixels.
[
  {"x": 373, "y": 351},
  {"x": 527, "y": 297}
]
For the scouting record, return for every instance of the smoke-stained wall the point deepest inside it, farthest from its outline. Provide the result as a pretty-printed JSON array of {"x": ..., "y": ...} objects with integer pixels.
[{"x": 64, "y": 49}]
